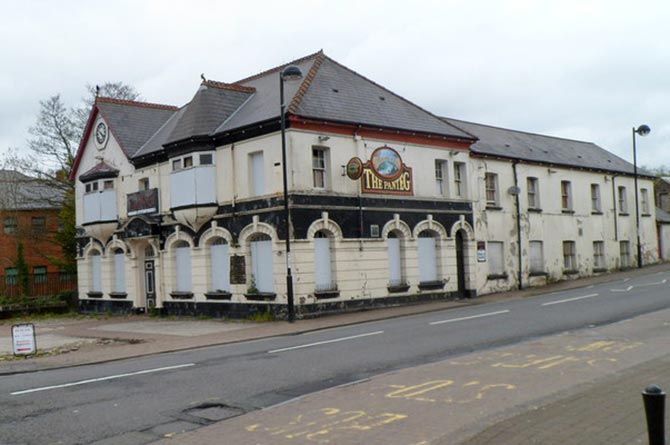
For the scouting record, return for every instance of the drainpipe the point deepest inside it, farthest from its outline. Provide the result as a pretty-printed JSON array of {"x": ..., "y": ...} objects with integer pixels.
[
  {"x": 616, "y": 228},
  {"x": 518, "y": 223}
]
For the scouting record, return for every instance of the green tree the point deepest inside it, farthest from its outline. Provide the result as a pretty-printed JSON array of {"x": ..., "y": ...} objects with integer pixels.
[{"x": 23, "y": 275}]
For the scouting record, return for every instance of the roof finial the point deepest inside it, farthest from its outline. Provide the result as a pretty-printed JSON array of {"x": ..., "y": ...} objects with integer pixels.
[
  {"x": 97, "y": 90},
  {"x": 202, "y": 76}
]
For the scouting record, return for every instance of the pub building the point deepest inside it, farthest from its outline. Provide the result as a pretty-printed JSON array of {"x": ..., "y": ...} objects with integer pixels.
[{"x": 182, "y": 208}]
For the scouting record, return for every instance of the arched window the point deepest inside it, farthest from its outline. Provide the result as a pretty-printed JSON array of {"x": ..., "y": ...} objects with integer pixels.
[
  {"x": 183, "y": 266},
  {"x": 396, "y": 259},
  {"x": 149, "y": 252},
  {"x": 119, "y": 271},
  {"x": 262, "y": 273},
  {"x": 323, "y": 262},
  {"x": 219, "y": 265},
  {"x": 427, "y": 245},
  {"x": 96, "y": 271}
]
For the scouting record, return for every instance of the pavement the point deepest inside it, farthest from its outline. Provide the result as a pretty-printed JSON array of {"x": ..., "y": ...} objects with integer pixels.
[{"x": 578, "y": 387}]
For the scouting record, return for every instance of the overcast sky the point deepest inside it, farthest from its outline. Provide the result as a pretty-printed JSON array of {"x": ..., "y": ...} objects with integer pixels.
[{"x": 580, "y": 69}]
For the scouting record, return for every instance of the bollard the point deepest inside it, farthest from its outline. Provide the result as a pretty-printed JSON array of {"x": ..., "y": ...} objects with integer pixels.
[{"x": 654, "y": 406}]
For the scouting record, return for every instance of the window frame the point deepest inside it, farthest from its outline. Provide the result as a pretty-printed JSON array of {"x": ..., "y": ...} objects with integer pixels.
[
  {"x": 622, "y": 200},
  {"x": 599, "y": 261},
  {"x": 460, "y": 183},
  {"x": 491, "y": 188},
  {"x": 320, "y": 155},
  {"x": 38, "y": 228},
  {"x": 533, "y": 192},
  {"x": 10, "y": 228},
  {"x": 566, "y": 196},
  {"x": 569, "y": 256},
  {"x": 644, "y": 201},
  {"x": 596, "y": 203}
]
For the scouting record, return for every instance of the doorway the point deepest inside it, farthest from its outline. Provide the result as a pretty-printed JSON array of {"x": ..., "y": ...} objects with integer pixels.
[{"x": 460, "y": 264}]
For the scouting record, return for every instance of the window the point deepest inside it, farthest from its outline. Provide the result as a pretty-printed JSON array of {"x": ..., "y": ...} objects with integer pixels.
[
  {"x": 96, "y": 271},
  {"x": 257, "y": 174},
  {"x": 323, "y": 262},
  {"x": 92, "y": 187},
  {"x": 220, "y": 265},
  {"x": 176, "y": 164},
  {"x": 262, "y": 268},
  {"x": 319, "y": 167},
  {"x": 440, "y": 178},
  {"x": 491, "y": 181},
  {"x": 623, "y": 201},
  {"x": 119, "y": 271},
  {"x": 206, "y": 159},
  {"x": 39, "y": 274},
  {"x": 39, "y": 224},
  {"x": 569, "y": 256},
  {"x": 394, "y": 241},
  {"x": 10, "y": 224},
  {"x": 595, "y": 198},
  {"x": 536, "y": 257},
  {"x": 108, "y": 185},
  {"x": 496, "y": 259},
  {"x": 624, "y": 253},
  {"x": 183, "y": 266},
  {"x": 644, "y": 201},
  {"x": 143, "y": 184},
  {"x": 427, "y": 250},
  {"x": 566, "y": 196},
  {"x": 188, "y": 161},
  {"x": 11, "y": 275},
  {"x": 533, "y": 193},
  {"x": 599, "y": 255},
  {"x": 459, "y": 180}
]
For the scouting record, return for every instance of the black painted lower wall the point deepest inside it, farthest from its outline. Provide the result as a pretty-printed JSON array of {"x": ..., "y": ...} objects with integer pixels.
[
  {"x": 105, "y": 306},
  {"x": 279, "y": 311}
]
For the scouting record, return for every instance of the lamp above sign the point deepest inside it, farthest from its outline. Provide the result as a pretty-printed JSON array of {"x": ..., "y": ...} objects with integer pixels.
[{"x": 384, "y": 173}]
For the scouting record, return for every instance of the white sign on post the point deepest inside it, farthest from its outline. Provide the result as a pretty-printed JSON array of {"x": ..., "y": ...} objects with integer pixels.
[{"x": 23, "y": 339}]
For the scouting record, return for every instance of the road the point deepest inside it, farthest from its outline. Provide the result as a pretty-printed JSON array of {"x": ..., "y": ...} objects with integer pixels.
[{"x": 185, "y": 390}]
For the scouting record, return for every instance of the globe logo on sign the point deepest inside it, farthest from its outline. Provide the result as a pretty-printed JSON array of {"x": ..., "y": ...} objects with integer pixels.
[{"x": 386, "y": 162}]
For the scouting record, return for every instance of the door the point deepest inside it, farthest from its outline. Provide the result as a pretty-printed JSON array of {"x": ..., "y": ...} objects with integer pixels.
[
  {"x": 150, "y": 283},
  {"x": 460, "y": 263}
]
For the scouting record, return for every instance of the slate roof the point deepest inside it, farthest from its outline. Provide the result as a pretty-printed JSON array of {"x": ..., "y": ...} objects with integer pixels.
[
  {"x": 213, "y": 103},
  {"x": 100, "y": 170},
  {"x": 133, "y": 123},
  {"x": 495, "y": 141},
  {"x": 330, "y": 91},
  {"x": 21, "y": 192}
]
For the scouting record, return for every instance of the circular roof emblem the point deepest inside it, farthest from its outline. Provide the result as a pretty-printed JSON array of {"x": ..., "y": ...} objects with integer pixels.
[
  {"x": 354, "y": 168},
  {"x": 386, "y": 162}
]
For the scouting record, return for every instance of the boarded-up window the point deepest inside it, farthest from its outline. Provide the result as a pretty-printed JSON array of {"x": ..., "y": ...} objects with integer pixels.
[
  {"x": 220, "y": 269},
  {"x": 496, "y": 258},
  {"x": 257, "y": 173},
  {"x": 96, "y": 271},
  {"x": 183, "y": 262},
  {"x": 323, "y": 264},
  {"x": 427, "y": 250},
  {"x": 395, "y": 260},
  {"x": 119, "y": 271},
  {"x": 536, "y": 257},
  {"x": 262, "y": 274}
]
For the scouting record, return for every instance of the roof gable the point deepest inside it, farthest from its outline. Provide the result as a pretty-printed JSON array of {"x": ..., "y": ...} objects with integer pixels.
[{"x": 133, "y": 123}]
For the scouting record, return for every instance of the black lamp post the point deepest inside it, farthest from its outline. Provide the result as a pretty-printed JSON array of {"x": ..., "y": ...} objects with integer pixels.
[
  {"x": 289, "y": 73},
  {"x": 642, "y": 130}
]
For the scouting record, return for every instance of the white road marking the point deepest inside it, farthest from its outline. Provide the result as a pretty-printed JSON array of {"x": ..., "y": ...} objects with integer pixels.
[
  {"x": 325, "y": 342},
  {"x": 569, "y": 299},
  {"x": 622, "y": 290},
  {"x": 101, "y": 379},
  {"x": 470, "y": 317},
  {"x": 656, "y": 283}
]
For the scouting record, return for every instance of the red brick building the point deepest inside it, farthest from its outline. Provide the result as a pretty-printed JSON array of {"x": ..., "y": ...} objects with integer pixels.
[{"x": 29, "y": 218}]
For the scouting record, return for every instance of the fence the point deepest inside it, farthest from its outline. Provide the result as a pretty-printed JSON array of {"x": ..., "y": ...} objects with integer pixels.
[{"x": 37, "y": 285}]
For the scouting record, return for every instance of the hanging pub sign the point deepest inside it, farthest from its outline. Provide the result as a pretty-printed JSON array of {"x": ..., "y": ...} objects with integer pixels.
[{"x": 384, "y": 173}]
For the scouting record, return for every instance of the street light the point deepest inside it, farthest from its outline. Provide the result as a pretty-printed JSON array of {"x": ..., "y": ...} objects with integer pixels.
[
  {"x": 289, "y": 73},
  {"x": 642, "y": 130}
]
